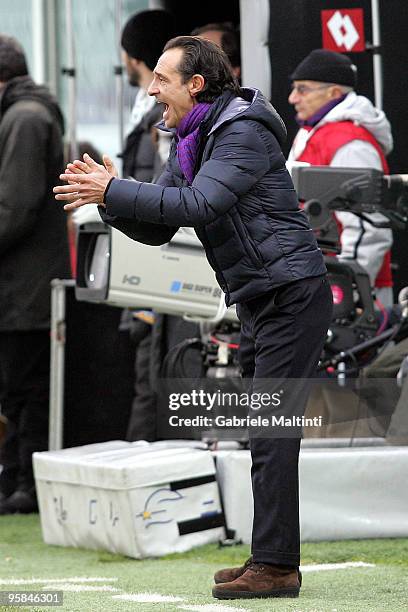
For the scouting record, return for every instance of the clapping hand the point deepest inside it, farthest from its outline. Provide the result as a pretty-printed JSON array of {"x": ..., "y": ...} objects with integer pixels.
[{"x": 87, "y": 182}]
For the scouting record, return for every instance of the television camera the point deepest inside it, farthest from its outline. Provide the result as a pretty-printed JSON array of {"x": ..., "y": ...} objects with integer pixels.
[{"x": 355, "y": 335}]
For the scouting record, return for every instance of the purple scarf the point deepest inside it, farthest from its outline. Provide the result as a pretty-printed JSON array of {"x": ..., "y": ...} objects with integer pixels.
[
  {"x": 188, "y": 134},
  {"x": 318, "y": 116}
]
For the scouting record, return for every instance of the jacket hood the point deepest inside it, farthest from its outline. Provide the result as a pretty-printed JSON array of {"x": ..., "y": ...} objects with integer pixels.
[
  {"x": 252, "y": 104},
  {"x": 24, "y": 88},
  {"x": 362, "y": 112}
]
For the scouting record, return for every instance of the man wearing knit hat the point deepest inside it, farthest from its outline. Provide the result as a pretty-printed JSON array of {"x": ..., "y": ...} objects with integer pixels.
[
  {"x": 342, "y": 129},
  {"x": 143, "y": 38}
]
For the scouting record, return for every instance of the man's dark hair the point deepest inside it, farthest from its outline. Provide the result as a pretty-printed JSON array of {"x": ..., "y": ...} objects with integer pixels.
[
  {"x": 230, "y": 42},
  {"x": 204, "y": 57},
  {"x": 12, "y": 59}
]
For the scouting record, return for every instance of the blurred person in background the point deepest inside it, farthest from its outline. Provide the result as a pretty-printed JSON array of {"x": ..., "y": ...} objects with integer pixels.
[
  {"x": 226, "y": 36},
  {"x": 143, "y": 38},
  {"x": 384, "y": 385},
  {"x": 339, "y": 128},
  {"x": 33, "y": 250}
]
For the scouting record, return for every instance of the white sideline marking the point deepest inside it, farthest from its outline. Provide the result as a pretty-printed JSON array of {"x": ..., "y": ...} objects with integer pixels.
[
  {"x": 322, "y": 567},
  {"x": 79, "y": 579},
  {"x": 80, "y": 587},
  {"x": 147, "y": 597},
  {"x": 212, "y": 608}
]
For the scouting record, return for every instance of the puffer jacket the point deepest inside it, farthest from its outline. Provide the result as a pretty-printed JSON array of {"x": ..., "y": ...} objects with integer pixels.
[
  {"x": 242, "y": 203},
  {"x": 33, "y": 228}
]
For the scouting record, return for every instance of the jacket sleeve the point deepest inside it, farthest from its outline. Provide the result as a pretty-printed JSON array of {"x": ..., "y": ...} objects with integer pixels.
[
  {"x": 359, "y": 239},
  {"x": 238, "y": 160},
  {"x": 143, "y": 231},
  {"x": 23, "y": 176}
]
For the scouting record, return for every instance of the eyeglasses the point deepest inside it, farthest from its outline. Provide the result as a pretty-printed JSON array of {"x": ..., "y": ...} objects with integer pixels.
[{"x": 305, "y": 89}]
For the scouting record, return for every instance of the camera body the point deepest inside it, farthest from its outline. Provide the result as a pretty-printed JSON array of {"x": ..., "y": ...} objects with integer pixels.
[{"x": 175, "y": 278}]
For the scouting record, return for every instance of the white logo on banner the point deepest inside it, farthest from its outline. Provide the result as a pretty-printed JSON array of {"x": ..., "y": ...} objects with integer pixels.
[{"x": 343, "y": 30}]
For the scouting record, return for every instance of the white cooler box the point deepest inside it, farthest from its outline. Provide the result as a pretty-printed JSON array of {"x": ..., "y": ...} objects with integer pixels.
[
  {"x": 138, "y": 499},
  {"x": 344, "y": 492},
  {"x": 234, "y": 478}
]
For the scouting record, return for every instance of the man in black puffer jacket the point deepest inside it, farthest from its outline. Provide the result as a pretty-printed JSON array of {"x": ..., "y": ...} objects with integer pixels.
[
  {"x": 33, "y": 251},
  {"x": 226, "y": 177}
]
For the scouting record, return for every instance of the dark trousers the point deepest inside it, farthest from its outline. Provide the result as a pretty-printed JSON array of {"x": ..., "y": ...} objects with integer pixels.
[
  {"x": 282, "y": 336},
  {"x": 143, "y": 417},
  {"x": 24, "y": 372}
]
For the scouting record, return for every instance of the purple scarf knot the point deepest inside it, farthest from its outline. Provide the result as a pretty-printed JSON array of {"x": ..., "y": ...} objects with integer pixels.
[{"x": 188, "y": 134}]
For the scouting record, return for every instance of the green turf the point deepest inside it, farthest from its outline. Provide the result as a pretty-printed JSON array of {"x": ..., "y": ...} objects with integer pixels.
[{"x": 383, "y": 588}]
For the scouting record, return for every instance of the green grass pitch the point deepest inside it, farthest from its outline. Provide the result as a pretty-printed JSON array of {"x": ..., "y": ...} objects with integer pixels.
[{"x": 23, "y": 555}]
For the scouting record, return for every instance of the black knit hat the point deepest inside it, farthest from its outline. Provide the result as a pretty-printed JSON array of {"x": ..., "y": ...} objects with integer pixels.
[
  {"x": 327, "y": 67},
  {"x": 145, "y": 35}
]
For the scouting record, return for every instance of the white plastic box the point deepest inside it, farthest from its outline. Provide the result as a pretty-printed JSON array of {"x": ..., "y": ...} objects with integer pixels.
[
  {"x": 344, "y": 493},
  {"x": 137, "y": 499}
]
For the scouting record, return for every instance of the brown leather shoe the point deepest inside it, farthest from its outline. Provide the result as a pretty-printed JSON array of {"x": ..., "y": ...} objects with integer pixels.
[
  {"x": 260, "y": 580},
  {"x": 230, "y": 574}
]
